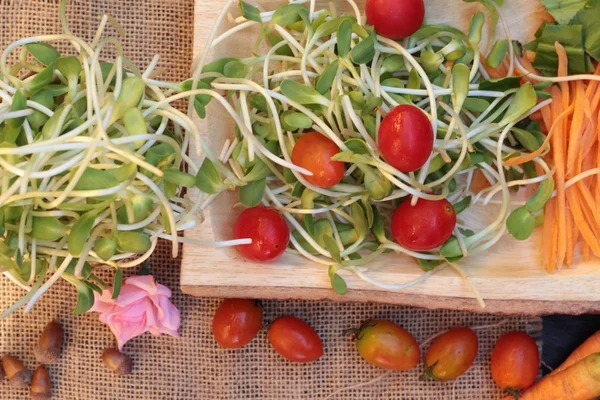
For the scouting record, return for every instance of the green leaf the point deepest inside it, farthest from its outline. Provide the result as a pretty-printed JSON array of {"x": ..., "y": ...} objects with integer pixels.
[
  {"x": 328, "y": 27},
  {"x": 376, "y": 184},
  {"x": 462, "y": 205},
  {"x": 428, "y": 265},
  {"x": 475, "y": 29},
  {"x": 325, "y": 80},
  {"x": 208, "y": 179},
  {"x": 19, "y": 102},
  {"x": 85, "y": 299},
  {"x": 273, "y": 39},
  {"x": 357, "y": 146},
  {"x": 252, "y": 193},
  {"x": 338, "y": 284},
  {"x": 301, "y": 94},
  {"x": 368, "y": 210},
  {"x": 475, "y": 104},
  {"x": 133, "y": 242},
  {"x": 520, "y": 223},
  {"x": 105, "y": 248},
  {"x": 344, "y": 38},
  {"x": 43, "y": 52},
  {"x": 286, "y": 15},
  {"x": 235, "y": 69},
  {"x": 460, "y": 84},
  {"x": 38, "y": 118},
  {"x": 563, "y": 11},
  {"x": 414, "y": 80},
  {"x": 258, "y": 171},
  {"x": 117, "y": 283},
  {"x": 47, "y": 229},
  {"x": 377, "y": 228},
  {"x": 529, "y": 168},
  {"x": 526, "y": 139},
  {"x": 525, "y": 99},
  {"x": 69, "y": 66},
  {"x": 333, "y": 248},
  {"x": 250, "y": 12},
  {"x": 80, "y": 232},
  {"x": 451, "y": 249},
  {"x": 179, "y": 178},
  {"x": 541, "y": 196},
  {"x": 41, "y": 80},
  {"x": 392, "y": 63},
  {"x": 431, "y": 61},
  {"x": 95, "y": 179},
  {"x": 358, "y": 216},
  {"x": 131, "y": 93},
  {"x": 571, "y": 37},
  {"x": 364, "y": 51},
  {"x": 501, "y": 84},
  {"x": 588, "y": 18},
  {"x": 295, "y": 121},
  {"x": 497, "y": 54}
]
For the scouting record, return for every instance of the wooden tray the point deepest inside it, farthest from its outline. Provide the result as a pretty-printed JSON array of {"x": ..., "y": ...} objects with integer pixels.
[{"x": 509, "y": 277}]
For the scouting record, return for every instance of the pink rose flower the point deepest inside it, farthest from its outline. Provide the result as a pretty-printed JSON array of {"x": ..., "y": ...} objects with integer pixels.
[{"x": 142, "y": 306}]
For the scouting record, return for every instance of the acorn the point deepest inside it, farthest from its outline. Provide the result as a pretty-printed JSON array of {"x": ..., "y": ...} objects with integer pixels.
[
  {"x": 18, "y": 375},
  {"x": 50, "y": 343},
  {"x": 41, "y": 385},
  {"x": 117, "y": 362}
]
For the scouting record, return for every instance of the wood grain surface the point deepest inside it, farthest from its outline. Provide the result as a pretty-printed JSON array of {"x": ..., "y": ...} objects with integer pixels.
[{"x": 509, "y": 276}]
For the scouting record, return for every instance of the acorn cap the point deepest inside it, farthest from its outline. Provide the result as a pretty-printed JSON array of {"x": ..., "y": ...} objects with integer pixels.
[
  {"x": 46, "y": 355},
  {"x": 49, "y": 345},
  {"x": 21, "y": 379}
]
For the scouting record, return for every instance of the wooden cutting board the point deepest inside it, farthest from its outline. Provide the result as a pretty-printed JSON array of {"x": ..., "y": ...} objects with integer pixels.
[{"x": 508, "y": 277}]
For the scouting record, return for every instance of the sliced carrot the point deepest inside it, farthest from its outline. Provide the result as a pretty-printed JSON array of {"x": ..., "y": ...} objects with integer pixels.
[
  {"x": 478, "y": 182},
  {"x": 585, "y": 251},
  {"x": 548, "y": 241},
  {"x": 558, "y": 153},
  {"x": 582, "y": 224},
  {"x": 575, "y": 132},
  {"x": 570, "y": 240}
]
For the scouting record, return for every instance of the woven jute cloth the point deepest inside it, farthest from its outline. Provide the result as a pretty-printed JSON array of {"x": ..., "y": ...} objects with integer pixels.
[{"x": 193, "y": 367}]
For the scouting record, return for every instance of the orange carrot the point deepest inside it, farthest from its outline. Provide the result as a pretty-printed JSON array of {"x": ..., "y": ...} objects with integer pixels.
[
  {"x": 585, "y": 251},
  {"x": 590, "y": 346},
  {"x": 570, "y": 240},
  {"x": 580, "y": 381},
  {"x": 558, "y": 152},
  {"x": 479, "y": 182}
]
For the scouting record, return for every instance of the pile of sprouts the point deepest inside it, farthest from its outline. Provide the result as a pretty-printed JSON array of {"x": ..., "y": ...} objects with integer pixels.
[
  {"x": 93, "y": 160},
  {"x": 332, "y": 73}
]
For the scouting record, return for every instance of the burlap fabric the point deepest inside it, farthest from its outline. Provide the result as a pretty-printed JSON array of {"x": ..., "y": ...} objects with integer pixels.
[{"x": 193, "y": 367}]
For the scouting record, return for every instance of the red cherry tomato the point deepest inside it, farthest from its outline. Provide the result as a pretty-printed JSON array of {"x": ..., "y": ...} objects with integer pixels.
[
  {"x": 313, "y": 151},
  {"x": 295, "y": 340},
  {"x": 451, "y": 354},
  {"x": 395, "y": 19},
  {"x": 405, "y": 138},
  {"x": 387, "y": 345},
  {"x": 515, "y": 361},
  {"x": 236, "y": 322},
  {"x": 424, "y": 226},
  {"x": 268, "y": 230}
]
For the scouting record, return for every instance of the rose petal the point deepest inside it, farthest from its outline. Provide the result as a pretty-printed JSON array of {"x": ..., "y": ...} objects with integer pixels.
[{"x": 144, "y": 282}]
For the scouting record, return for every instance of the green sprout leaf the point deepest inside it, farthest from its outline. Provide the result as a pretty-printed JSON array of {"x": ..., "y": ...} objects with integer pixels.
[
  {"x": 69, "y": 66},
  {"x": 460, "y": 84},
  {"x": 117, "y": 283},
  {"x": 295, "y": 120},
  {"x": 252, "y": 193},
  {"x": 525, "y": 99},
  {"x": 428, "y": 265},
  {"x": 462, "y": 205},
  {"x": 527, "y": 139},
  {"x": 325, "y": 80},
  {"x": 520, "y": 223},
  {"x": 208, "y": 179},
  {"x": 497, "y": 54},
  {"x": 392, "y": 63},
  {"x": 333, "y": 248},
  {"x": 286, "y": 15},
  {"x": 80, "y": 232},
  {"x": 364, "y": 51},
  {"x": 179, "y": 178},
  {"x": 302, "y": 94},
  {"x": 85, "y": 299},
  {"x": 235, "y": 69},
  {"x": 133, "y": 242},
  {"x": 541, "y": 196},
  {"x": 43, "y": 52},
  {"x": 344, "y": 37},
  {"x": 105, "y": 248},
  {"x": 250, "y": 12},
  {"x": 475, "y": 29},
  {"x": 47, "y": 229}
]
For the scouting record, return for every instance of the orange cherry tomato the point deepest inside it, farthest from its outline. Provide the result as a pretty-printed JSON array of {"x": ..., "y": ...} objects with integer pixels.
[
  {"x": 451, "y": 354},
  {"x": 236, "y": 322},
  {"x": 387, "y": 345},
  {"x": 515, "y": 361},
  {"x": 295, "y": 340},
  {"x": 313, "y": 151}
]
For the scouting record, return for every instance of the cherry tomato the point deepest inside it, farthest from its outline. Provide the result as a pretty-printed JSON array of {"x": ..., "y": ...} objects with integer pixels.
[
  {"x": 236, "y": 322},
  {"x": 313, "y": 151},
  {"x": 451, "y": 354},
  {"x": 268, "y": 230},
  {"x": 405, "y": 138},
  {"x": 424, "y": 226},
  {"x": 295, "y": 340},
  {"x": 387, "y": 345},
  {"x": 515, "y": 361},
  {"x": 395, "y": 19}
]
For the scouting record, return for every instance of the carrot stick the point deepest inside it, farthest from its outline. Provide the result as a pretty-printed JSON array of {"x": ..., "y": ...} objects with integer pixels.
[
  {"x": 574, "y": 136},
  {"x": 580, "y": 381},
  {"x": 582, "y": 224},
  {"x": 585, "y": 251},
  {"x": 570, "y": 239},
  {"x": 558, "y": 152},
  {"x": 590, "y": 346},
  {"x": 554, "y": 126}
]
